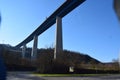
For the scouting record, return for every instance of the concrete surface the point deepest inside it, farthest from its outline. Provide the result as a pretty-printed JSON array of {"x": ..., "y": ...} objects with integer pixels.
[{"x": 28, "y": 76}]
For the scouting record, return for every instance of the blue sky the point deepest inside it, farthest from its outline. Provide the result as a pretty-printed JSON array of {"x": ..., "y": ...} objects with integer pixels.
[{"x": 92, "y": 28}]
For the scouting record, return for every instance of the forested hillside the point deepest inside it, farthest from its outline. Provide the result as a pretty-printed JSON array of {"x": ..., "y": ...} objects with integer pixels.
[{"x": 45, "y": 63}]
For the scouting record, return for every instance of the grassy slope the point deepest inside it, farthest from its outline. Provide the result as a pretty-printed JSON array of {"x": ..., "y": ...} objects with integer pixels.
[{"x": 70, "y": 75}]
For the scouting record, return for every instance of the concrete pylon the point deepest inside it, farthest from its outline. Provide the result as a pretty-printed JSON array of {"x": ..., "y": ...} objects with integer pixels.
[
  {"x": 58, "y": 43},
  {"x": 34, "y": 49},
  {"x": 117, "y": 7},
  {"x": 23, "y": 51}
]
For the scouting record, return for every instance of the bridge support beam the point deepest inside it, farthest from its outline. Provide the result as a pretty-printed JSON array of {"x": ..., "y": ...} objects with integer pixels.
[
  {"x": 23, "y": 51},
  {"x": 58, "y": 43},
  {"x": 34, "y": 49}
]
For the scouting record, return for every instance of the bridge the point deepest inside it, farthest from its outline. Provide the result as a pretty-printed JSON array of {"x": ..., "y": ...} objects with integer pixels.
[{"x": 56, "y": 17}]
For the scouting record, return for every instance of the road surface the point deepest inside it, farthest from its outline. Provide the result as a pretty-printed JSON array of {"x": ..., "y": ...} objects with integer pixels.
[{"x": 28, "y": 76}]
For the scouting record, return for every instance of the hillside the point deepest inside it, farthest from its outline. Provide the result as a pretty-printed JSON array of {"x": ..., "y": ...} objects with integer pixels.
[{"x": 46, "y": 64}]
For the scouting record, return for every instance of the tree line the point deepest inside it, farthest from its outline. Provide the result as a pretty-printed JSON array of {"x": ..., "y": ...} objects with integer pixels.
[{"x": 45, "y": 63}]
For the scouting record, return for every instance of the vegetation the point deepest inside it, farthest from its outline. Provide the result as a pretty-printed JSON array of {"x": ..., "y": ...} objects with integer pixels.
[
  {"x": 69, "y": 75},
  {"x": 45, "y": 63}
]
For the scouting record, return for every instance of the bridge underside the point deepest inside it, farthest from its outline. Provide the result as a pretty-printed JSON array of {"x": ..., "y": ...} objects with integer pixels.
[
  {"x": 63, "y": 10},
  {"x": 56, "y": 17}
]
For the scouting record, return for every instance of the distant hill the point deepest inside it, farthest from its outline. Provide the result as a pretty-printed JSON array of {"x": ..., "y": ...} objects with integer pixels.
[{"x": 45, "y": 62}]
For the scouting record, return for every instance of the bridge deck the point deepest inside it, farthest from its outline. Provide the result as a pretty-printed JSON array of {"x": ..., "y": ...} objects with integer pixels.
[{"x": 63, "y": 10}]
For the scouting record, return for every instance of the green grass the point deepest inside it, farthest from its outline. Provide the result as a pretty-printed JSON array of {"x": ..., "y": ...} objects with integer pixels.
[{"x": 69, "y": 75}]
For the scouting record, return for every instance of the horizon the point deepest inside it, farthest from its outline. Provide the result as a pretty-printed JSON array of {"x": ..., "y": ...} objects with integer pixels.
[
  {"x": 21, "y": 18},
  {"x": 52, "y": 48}
]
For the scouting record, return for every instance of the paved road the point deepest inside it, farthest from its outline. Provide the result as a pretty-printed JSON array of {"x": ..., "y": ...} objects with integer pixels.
[
  {"x": 110, "y": 77},
  {"x": 28, "y": 76},
  {"x": 22, "y": 76}
]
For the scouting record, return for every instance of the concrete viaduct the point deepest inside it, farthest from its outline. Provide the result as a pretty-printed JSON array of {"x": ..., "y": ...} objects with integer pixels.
[{"x": 56, "y": 17}]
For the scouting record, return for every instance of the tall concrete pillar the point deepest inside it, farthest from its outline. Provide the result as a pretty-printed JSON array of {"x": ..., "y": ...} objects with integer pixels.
[
  {"x": 34, "y": 49},
  {"x": 23, "y": 51},
  {"x": 58, "y": 43},
  {"x": 117, "y": 7}
]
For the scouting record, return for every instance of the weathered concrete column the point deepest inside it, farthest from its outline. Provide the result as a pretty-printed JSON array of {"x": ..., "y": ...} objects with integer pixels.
[
  {"x": 23, "y": 51},
  {"x": 58, "y": 43},
  {"x": 117, "y": 7},
  {"x": 34, "y": 49}
]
